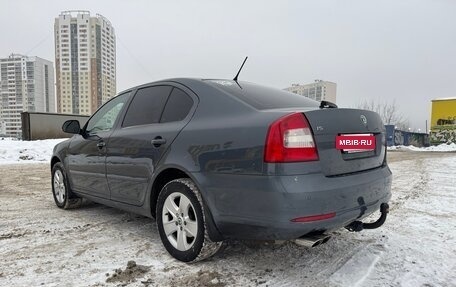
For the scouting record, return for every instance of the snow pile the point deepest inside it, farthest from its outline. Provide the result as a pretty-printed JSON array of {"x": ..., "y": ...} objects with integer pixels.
[
  {"x": 439, "y": 148},
  {"x": 17, "y": 151}
]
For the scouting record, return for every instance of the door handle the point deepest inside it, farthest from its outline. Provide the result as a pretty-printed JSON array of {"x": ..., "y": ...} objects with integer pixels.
[
  {"x": 158, "y": 141},
  {"x": 101, "y": 144}
]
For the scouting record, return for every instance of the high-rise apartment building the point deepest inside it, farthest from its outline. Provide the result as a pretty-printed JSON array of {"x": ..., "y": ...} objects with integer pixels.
[
  {"x": 319, "y": 90},
  {"x": 26, "y": 85},
  {"x": 85, "y": 62}
]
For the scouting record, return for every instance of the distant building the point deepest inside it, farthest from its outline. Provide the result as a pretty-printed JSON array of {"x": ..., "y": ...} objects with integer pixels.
[
  {"x": 85, "y": 62},
  {"x": 319, "y": 90},
  {"x": 26, "y": 85}
]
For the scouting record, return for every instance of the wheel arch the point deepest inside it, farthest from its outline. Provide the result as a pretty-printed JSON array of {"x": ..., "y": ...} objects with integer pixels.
[
  {"x": 169, "y": 174},
  {"x": 55, "y": 159},
  {"x": 160, "y": 181}
]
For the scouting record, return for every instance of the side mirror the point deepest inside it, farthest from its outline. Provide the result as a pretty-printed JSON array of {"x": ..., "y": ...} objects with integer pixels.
[{"x": 71, "y": 127}]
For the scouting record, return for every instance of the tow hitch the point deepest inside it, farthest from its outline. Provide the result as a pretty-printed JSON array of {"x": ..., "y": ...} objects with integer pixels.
[{"x": 357, "y": 226}]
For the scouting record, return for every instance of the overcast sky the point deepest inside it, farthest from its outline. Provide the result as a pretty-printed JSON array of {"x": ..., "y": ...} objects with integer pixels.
[{"x": 393, "y": 50}]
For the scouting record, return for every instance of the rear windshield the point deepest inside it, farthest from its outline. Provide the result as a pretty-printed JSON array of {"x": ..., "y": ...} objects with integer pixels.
[{"x": 261, "y": 97}]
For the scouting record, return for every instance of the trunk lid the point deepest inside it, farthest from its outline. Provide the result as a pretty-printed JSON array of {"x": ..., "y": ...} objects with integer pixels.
[{"x": 326, "y": 124}]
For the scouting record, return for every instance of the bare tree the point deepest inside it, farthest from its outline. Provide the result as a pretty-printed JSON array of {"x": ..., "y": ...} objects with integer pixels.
[{"x": 388, "y": 112}]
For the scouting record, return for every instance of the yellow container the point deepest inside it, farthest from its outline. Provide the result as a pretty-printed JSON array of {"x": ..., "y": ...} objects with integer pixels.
[{"x": 443, "y": 112}]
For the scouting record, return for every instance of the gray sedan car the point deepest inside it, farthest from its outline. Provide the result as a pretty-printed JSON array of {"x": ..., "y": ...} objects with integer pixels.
[{"x": 220, "y": 159}]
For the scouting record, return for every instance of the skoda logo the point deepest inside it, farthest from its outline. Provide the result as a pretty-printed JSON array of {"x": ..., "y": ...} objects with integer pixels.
[{"x": 363, "y": 119}]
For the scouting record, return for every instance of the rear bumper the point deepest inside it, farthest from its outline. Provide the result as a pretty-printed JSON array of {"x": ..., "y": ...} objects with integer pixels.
[{"x": 261, "y": 207}]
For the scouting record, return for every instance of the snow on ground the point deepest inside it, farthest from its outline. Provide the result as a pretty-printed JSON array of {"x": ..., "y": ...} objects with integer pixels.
[
  {"x": 18, "y": 151},
  {"x": 43, "y": 245},
  {"x": 439, "y": 148},
  {"x": 420, "y": 249}
]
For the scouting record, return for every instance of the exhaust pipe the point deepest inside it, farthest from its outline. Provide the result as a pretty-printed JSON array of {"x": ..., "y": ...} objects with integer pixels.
[{"x": 313, "y": 240}]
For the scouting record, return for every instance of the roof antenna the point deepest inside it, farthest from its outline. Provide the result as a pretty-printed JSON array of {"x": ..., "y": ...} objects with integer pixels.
[{"x": 237, "y": 75}]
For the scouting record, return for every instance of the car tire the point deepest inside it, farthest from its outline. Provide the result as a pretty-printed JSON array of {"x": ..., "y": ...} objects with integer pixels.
[
  {"x": 61, "y": 191},
  {"x": 181, "y": 222}
]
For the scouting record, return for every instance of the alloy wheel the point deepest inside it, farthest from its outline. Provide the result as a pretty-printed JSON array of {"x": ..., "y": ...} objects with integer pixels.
[
  {"x": 179, "y": 220},
  {"x": 59, "y": 186}
]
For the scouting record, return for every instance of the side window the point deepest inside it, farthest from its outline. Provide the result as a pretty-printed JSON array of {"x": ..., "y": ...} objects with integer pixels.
[
  {"x": 147, "y": 106},
  {"x": 104, "y": 118},
  {"x": 177, "y": 107}
]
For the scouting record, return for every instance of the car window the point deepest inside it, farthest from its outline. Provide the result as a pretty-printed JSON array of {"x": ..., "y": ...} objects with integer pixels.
[
  {"x": 177, "y": 107},
  {"x": 263, "y": 98},
  {"x": 147, "y": 106},
  {"x": 105, "y": 117}
]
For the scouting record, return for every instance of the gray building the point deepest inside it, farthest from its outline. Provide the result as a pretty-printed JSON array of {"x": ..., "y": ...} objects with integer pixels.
[
  {"x": 26, "y": 85},
  {"x": 319, "y": 90},
  {"x": 85, "y": 62}
]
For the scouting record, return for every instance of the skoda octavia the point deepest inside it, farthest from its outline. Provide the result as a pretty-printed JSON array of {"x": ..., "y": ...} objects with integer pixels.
[{"x": 220, "y": 159}]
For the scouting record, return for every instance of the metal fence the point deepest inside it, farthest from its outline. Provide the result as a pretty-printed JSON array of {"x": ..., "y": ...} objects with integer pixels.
[{"x": 398, "y": 137}]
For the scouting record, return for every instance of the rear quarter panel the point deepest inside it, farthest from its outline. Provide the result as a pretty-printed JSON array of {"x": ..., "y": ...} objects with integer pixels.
[{"x": 224, "y": 135}]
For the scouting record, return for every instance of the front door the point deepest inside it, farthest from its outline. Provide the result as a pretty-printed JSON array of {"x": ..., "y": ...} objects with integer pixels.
[{"x": 87, "y": 152}]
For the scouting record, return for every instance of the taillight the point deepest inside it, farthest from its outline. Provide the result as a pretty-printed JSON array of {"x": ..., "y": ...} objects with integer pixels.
[
  {"x": 386, "y": 149},
  {"x": 290, "y": 139}
]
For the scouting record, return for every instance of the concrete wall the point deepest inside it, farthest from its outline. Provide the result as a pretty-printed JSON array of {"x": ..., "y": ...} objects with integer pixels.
[
  {"x": 443, "y": 134},
  {"x": 38, "y": 126}
]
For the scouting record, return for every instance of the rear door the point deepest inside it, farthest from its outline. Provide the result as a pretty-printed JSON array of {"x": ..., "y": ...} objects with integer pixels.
[{"x": 154, "y": 118}]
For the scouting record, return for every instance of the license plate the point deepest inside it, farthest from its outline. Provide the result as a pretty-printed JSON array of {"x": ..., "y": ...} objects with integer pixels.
[{"x": 351, "y": 143}]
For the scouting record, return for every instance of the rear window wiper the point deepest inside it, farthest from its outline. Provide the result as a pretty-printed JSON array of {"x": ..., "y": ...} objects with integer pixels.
[{"x": 327, "y": 105}]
